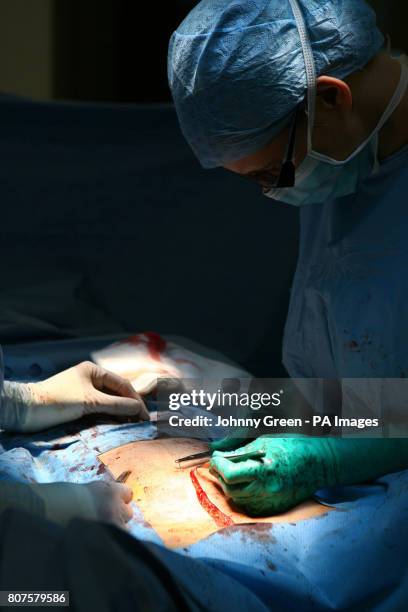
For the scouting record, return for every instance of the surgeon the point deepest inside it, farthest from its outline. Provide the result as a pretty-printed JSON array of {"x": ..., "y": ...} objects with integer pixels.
[
  {"x": 28, "y": 408},
  {"x": 303, "y": 97}
]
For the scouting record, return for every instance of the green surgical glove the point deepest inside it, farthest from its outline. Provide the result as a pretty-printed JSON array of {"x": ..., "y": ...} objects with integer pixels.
[
  {"x": 295, "y": 467},
  {"x": 228, "y": 443}
]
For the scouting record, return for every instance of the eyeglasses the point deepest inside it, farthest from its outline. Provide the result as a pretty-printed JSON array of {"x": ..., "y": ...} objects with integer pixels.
[{"x": 287, "y": 172}]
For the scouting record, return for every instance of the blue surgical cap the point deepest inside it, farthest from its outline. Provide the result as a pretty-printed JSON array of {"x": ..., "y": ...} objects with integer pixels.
[{"x": 237, "y": 71}]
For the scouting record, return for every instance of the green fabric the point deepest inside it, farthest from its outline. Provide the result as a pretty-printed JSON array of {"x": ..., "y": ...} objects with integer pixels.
[{"x": 295, "y": 467}]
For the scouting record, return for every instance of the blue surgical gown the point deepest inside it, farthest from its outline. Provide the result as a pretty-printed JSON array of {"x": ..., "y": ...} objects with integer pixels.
[{"x": 348, "y": 314}]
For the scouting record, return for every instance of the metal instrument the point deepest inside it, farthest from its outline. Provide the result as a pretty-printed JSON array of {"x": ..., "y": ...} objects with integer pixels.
[{"x": 235, "y": 457}]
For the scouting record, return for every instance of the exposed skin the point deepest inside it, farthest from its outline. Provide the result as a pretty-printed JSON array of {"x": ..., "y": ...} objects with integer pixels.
[{"x": 346, "y": 114}]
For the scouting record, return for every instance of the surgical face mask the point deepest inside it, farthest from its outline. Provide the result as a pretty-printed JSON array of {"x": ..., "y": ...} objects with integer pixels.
[{"x": 320, "y": 178}]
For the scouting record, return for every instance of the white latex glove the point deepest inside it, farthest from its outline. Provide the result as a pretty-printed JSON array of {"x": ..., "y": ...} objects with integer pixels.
[
  {"x": 62, "y": 501},
  {"x": 83, "y": 389}
]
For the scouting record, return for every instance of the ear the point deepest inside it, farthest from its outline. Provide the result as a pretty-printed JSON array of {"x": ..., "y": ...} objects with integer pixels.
[{"x": 334, "y": 93}]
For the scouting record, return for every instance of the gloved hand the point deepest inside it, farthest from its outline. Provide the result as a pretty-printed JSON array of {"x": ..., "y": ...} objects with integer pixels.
[
  {"x": 83, "y": 389},
  {"x": 295, "y": 467},
  {"x": 230, "y": 442},
  {"x": 62, "y": 501}
]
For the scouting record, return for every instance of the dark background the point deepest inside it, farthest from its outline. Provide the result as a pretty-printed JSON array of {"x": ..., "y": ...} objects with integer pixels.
[{"x": 114, "y": 50}]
